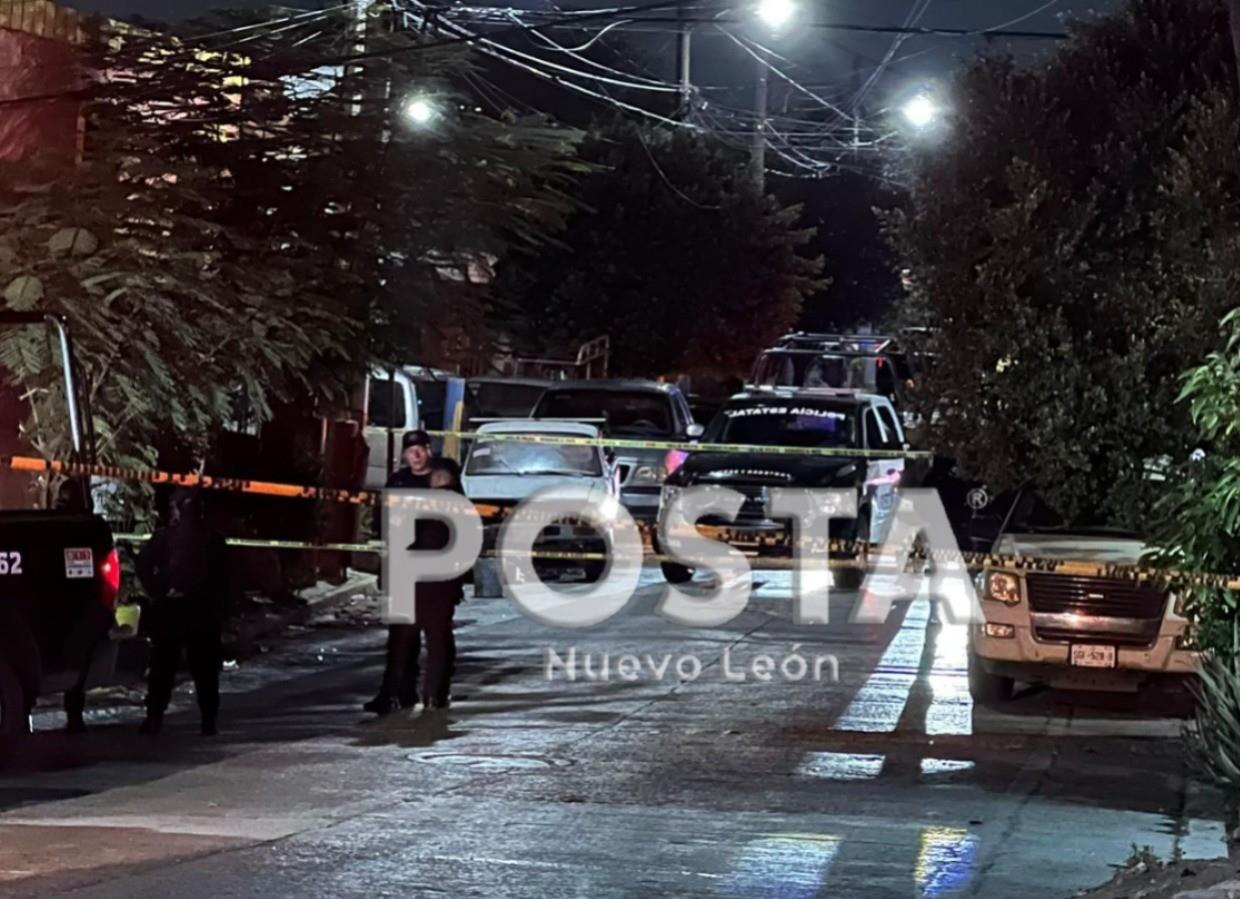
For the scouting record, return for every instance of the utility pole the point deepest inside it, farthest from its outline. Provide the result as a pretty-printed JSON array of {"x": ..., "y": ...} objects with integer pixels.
[
  {"x": 683, "y": 67},
  {"x": 757, "y": 157}
]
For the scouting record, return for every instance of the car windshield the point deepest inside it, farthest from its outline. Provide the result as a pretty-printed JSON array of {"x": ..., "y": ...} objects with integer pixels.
[
  {"x": 642, "y": 413},
  {"x": 491, "y": 457},
  {"x": 784, "y": 424},
  {"x": 873, "y": 374}
]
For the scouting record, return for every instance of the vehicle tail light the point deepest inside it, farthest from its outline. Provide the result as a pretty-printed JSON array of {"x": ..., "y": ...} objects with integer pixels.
[
  {"x": 675, "y": 459},
  {"x": 110, "y": 579}
]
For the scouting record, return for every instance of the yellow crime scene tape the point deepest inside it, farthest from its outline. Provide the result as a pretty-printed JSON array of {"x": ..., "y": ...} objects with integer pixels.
[
  {"x": 722, "y": 448},
  {"x": 206, "y": 482},
  {"x": 973, "y": 560}
]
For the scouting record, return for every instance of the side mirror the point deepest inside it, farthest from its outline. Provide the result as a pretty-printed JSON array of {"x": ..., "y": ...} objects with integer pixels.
[
  {"x": 694, "y": 431},
  {"x": 610, "y": 456}
]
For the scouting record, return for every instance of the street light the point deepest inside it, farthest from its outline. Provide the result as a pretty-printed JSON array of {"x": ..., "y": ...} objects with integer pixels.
[
  {"x": 419, "y": 111},
  {"x": 921, "y": 111},
  {"x": 776, "y": 13}
]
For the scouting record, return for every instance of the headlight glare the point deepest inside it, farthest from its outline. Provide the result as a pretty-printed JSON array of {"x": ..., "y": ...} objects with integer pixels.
[{"x": 1003, "y": 587}]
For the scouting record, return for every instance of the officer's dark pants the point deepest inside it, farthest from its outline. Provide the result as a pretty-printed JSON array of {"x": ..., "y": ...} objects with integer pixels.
[
  {"x": 400, "y": 680},
  {"x": 185, "y": 623}
]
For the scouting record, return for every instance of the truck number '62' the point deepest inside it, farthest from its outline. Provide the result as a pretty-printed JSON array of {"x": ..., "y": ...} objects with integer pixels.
[{"x": 10, "y": 563}]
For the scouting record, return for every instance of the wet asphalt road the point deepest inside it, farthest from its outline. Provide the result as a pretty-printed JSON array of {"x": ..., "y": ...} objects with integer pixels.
[{"x": 886, "y": 783}]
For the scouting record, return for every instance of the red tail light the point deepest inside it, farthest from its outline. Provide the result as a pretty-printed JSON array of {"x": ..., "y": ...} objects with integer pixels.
[{"x": 110, "y": 579}]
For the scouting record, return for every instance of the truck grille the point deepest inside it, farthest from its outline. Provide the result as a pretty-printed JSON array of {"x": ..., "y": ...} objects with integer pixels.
[
  {"x": 1083, "y": 609},
  {"x": 1103, "y": 597}
]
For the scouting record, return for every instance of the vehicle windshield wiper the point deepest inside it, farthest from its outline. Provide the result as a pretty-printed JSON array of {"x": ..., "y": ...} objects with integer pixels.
[{"x": 566, "y": 472}]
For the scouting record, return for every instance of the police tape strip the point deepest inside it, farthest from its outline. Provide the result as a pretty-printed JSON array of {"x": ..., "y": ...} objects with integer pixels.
[
  {"x": 255, "y": 543},
  {"x": 839, "y": 554},
  {"x": 975, "y": 561},
  {"x": 206, "y": 482},
  {"x": 735, "y": 448}
]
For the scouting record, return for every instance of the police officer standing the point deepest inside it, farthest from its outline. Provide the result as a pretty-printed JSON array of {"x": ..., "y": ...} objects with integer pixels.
[
  {"x": 396, "y": 690},
  {"x": 184, "y": 570}
]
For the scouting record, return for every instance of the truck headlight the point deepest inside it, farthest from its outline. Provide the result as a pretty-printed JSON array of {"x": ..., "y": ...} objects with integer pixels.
[
  {"x": 648, "y": 476},
  {"x": 1002, "y": 587}
]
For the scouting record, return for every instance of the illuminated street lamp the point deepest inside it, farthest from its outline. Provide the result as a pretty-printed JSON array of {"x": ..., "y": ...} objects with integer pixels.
[
  {"x": 921, "y": 111},
  {"x": 419, "y": 111},
  {"x": 776, "y": 13}
]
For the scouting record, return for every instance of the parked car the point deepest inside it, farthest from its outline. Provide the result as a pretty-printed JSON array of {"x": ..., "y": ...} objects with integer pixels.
[
  {"x": 1071, "y": 631},
  {"x": 503, "y": 473},
  {"x": 628, "y": 410},
  {"x": 797, "y": 418}
]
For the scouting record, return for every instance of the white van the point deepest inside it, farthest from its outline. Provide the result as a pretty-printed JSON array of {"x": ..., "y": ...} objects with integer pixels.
[{"x": 400, "y": 400}]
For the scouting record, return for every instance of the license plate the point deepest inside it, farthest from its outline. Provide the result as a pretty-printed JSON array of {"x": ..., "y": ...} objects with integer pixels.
[{"x": 1087, "y": 656}]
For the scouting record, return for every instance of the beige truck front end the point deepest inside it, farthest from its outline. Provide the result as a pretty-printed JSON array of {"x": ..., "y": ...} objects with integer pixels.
[{"x": 1075, "y": 631}]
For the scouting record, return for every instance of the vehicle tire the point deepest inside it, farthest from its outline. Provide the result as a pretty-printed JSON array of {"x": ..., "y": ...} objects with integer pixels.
[
  {"x": 985, "y": 687},
  {"x": 674, "y": 573},
  {"x": 14, "y": 715}
]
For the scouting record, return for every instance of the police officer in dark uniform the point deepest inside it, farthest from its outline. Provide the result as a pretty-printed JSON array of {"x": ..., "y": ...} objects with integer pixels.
[
  {"x": 396, "y": 692},
  {"x": 184, "y": 570},
  {"x": 435, "y": 603}
]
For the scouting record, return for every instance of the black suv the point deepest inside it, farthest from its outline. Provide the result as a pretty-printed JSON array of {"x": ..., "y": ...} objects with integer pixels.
[{"x": 797, "y": 418}]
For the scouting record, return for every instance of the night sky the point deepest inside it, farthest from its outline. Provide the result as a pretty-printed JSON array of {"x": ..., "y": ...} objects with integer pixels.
[{"x": 835, "y": 53}]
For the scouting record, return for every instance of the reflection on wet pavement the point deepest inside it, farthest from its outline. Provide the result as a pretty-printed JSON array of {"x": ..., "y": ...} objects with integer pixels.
[
  {"x": 841, "y": 766},
  {"x": 788, "y": 866},
  {"x": 944, "y": 766},
  {"x": 945, "y": 861},
  {"x": 951, "y": 706}
]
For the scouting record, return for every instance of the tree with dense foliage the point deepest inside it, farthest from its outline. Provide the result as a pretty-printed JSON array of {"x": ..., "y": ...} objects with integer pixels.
[
  {"x": 1060, "y": 274},
  {"x": 677, "y": 256},
  {"x": 239, "y": 232}
]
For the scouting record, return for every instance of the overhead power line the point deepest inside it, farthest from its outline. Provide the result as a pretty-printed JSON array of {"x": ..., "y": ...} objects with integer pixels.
[{"x": 632, "y": 21}]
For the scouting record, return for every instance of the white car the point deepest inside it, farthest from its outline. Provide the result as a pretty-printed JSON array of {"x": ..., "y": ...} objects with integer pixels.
[{"x": 503, "y": 473}]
